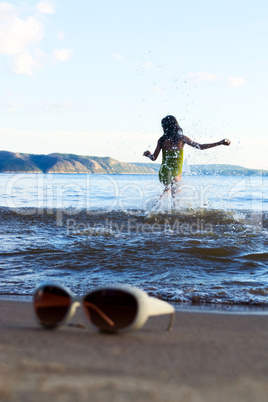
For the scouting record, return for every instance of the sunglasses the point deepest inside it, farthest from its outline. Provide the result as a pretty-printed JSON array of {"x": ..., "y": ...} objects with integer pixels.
[{"x": 110, "y": 308}]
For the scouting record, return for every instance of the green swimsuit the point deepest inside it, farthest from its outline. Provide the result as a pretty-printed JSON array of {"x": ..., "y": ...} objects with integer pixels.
[{"x": 171, "y": 167}]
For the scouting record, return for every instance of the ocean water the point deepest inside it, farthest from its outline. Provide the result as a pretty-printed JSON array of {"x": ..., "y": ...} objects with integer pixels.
[{"x": 210, "y": 246}]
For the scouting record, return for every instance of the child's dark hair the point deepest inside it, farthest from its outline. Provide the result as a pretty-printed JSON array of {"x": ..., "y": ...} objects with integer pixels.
[{"x": 171, "y": 129}]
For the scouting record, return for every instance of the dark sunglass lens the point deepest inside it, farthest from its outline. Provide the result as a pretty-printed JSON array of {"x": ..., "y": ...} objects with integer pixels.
[
  {"x": 51, "y": 305},
  {"x": 111, "y": 309}
]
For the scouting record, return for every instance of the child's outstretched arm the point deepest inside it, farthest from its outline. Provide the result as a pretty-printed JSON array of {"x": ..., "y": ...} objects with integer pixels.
[
  {"x": 153, "y": 156},
  {"x": 194, "y": 144}
]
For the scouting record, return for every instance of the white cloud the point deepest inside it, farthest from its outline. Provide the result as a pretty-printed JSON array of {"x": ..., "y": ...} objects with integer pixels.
[
  {"x": 63, "y": 54},
  {"x": 61, "y": 35},
  {"x": 236, "y": 81},
  {"x": 45, "y": 7},
  {"x": 23, "y": 63},
  {"x": 117, "y": 56},
  {"x": 11, "y": 107},
  {"x": 26, "y": 63},
  {"x": 203, "y": 77},
  {"x": 61, "y": 106},
  {"x": 207, "y": 77},
  {"x": 17, "y": 37},
  {"x": 7, "y": 11},
  {"x": 21, "y": 37}
]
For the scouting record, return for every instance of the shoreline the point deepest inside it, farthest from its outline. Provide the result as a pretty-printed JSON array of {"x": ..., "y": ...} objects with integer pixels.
[
  {"x": 187, "y": 307},
  {"x": 259, "y": 173},
  {"x": 207, "y": 357}
]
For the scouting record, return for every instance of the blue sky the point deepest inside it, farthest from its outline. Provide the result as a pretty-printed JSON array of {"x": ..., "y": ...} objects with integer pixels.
[{"x": 96, "y": 78}]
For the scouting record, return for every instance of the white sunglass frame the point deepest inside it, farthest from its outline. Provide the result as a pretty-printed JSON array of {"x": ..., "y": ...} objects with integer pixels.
[{"x": 147, "y": 306}]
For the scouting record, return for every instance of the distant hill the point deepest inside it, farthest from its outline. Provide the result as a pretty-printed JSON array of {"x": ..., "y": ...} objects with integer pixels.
[
  {"x": 214, "y": 169},
  {"x": 225, "y": 170},
  {"x": 11, "y": 162}
]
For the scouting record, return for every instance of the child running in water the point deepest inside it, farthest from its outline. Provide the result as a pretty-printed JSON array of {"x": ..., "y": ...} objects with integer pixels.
[{"x": 172, "y": 144}]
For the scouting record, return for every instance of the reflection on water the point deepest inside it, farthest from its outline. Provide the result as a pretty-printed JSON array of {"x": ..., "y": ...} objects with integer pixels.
[{"x": 129, "y": 191}]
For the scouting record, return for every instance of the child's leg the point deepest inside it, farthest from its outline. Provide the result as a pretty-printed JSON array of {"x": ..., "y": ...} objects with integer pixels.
[
  {"x": 166, "y": 191},
  {"x": 175, "y": 186}
]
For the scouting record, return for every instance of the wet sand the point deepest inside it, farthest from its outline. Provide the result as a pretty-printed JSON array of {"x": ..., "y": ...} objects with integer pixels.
[{"x": 207, "y": 357}]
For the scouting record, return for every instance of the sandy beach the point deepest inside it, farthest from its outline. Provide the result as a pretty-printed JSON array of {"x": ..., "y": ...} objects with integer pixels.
[{"x": 207, "y": 357}]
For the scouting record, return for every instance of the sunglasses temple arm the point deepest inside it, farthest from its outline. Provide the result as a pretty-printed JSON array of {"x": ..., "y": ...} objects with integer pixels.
[
  {"x": 101, "y": 313},
  {"x": 159, "y": 307},
  {"x": 171, "y": 321}
]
